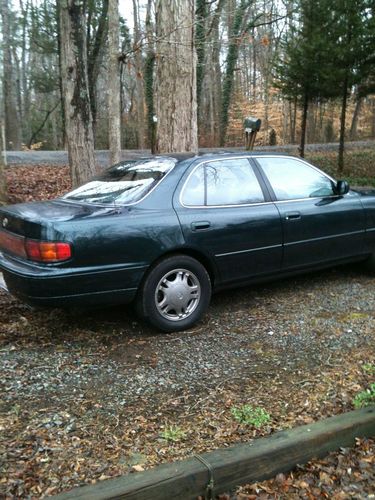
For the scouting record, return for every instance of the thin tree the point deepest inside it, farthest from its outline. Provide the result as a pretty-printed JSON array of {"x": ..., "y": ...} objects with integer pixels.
[
  {"x": 78, "y": 116},
  {"x": 175, "y": 85},
  {"x": 149, "y": 78},
  {"x": 114, "y": 120},
  {"x": 138, "y": 67},
  {"x": 11, "y": 109},
  {"x": 97, "y": 26},
  {"x": 3, "y": 184},
  {"x": 208, "y": 44}
]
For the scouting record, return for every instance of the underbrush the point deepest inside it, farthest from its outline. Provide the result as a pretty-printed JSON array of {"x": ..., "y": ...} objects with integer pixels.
[{"x": 359, "y": 165}]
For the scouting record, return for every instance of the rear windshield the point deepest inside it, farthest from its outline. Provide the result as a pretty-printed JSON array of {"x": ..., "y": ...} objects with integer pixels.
[{"x": 124, "y": 183}]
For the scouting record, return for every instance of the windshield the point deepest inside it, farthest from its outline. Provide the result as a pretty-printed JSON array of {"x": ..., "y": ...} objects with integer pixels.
[{"x": 124, "y": 183}]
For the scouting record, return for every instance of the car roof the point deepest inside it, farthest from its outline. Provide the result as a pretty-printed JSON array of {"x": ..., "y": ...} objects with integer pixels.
[{"x": 179, "y": 157}]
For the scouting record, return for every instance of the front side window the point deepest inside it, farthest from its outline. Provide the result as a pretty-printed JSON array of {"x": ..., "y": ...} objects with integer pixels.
[
  {"x": 124, "y": 183},
  {"x": 221, "y": 183},
  {"x": 292, "y": 179}
]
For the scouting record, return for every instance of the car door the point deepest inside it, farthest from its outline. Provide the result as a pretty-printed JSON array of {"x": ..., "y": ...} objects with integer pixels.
[
  {"x": 318, "y": 225},
  {"x": 226, "y": 213}
]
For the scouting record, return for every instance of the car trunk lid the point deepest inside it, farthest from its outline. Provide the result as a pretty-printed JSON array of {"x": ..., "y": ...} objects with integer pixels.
[{"x": 23, "y": 222}]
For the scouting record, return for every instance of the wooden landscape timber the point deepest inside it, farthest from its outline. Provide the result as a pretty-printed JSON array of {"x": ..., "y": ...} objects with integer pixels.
[{"x": 220, "y": 471}]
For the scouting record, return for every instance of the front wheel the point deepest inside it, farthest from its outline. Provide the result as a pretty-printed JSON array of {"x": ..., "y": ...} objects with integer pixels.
[{"x": 175, "y": 294}]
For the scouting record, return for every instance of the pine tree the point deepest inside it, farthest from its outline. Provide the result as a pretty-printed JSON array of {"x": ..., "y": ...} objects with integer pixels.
[
  {"x": 330, "y": 51},
  {"x": 304, "y": 71},
  {"x": 352, "y": 40}
]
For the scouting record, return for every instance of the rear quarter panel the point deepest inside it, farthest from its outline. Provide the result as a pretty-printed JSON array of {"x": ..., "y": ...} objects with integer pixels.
[{"x": 133, "y": 236}]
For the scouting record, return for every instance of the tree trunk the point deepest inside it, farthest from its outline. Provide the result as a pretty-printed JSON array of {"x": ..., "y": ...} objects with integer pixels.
[
  {"x": 293, "y": 121},
  {"x": 149, "y": 79},
  {"x": 61, "y": 92},
  {"x": 237, "y": 27},
  {"x": 342, "y": 126},
  {"x": 78, "y": 117},
  {"x": 114, "y": 121},
  {"x": 200, "y": 43},
  {"x": 303, "y": 126},
  {"x": 176, "y": 93},
  {"x": 11, "y": 111},
  {"x": 3, "y": 187},
  {"x": 354, "y": 125},
  {"x": 139, "y": 78},
  {"x": 95, "y": 54},
  {"x": 208, "y": 118},
  {"x": 25, "y": 110},
  {"x": 254, "y": 83}
]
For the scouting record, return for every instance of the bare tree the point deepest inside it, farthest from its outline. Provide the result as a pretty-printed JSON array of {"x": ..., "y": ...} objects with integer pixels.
[
  {"x": 96, "y": 35},
  {"x": 78, "y": 116},
  {"x": 140, "y": 102},
  {"x": 11, "y": 110},
  {"x": 176, "y": 98},
  {"x": 114, "y": 122},
  {"x": 3, "y": 187},
  {"x": 149, "y": 77}
]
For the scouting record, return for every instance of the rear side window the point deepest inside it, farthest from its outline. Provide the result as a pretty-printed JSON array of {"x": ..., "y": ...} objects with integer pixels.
[
  {"x": 222, "y": 183},
  {"x": 293, "y": 179},
  {"x": 124, "y": 183}
]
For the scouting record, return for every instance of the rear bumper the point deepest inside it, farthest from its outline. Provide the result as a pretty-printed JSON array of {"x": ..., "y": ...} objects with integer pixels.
[{"x": 60, "y": 287}]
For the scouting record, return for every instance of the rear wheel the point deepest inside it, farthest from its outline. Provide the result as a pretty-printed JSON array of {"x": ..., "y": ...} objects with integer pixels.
[{"x": 175, "y": 294}]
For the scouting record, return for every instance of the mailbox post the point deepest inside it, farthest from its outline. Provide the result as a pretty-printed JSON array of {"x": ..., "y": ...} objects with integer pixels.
[{"x": 251, "y": 126}]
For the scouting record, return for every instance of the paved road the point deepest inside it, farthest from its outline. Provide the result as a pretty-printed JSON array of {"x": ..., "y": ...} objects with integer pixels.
[{"x": 61, "y": 157}]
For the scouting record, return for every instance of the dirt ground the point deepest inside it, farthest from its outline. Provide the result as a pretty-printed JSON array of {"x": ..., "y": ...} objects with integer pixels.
[{"x": 91, "y": 394}]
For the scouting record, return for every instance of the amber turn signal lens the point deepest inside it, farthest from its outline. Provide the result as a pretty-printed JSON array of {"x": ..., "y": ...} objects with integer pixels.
[{"x": 45, "y": 251}]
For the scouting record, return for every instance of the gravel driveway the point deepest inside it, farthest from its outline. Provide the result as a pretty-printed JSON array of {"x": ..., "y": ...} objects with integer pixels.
[
  {"x": 98, "y": 387},
  {"x": 303, "y": 321}
]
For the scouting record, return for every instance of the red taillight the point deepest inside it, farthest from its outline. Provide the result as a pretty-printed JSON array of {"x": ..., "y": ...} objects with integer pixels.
[
  {"x": 39, "y": 251},
  {"x": 46, "y": 251}
]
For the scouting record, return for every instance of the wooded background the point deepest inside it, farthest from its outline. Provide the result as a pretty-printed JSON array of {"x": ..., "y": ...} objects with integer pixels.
[{"x": 186, "y": 73}]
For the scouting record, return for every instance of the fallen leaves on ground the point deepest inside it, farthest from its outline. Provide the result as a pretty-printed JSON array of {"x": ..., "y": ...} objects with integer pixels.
[{"x": 342, "y": 475}]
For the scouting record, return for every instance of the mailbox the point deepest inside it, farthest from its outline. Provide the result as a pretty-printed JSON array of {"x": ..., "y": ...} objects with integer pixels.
[{"x": 251, "y": 126}]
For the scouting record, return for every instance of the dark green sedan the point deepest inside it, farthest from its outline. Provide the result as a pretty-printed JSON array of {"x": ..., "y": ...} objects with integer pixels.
[{"x": 165, "y": 231}]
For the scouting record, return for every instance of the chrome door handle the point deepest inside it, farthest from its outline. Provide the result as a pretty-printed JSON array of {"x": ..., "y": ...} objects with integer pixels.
[
  {"x": 200, "y": 225},
  {"x": 292, "y": 216}
]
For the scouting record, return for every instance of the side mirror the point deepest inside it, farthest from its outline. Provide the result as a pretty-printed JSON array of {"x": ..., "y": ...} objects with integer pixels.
[{"x": 342, "y": 187}]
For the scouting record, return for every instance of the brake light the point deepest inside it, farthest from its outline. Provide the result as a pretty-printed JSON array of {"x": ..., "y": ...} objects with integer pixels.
[
  {"x": 46, "y": 251},
  {"x": 39, "y": 251}
]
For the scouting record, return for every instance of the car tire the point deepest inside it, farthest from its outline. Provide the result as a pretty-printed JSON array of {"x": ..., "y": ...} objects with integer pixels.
[{"x": 175, "y": 293}]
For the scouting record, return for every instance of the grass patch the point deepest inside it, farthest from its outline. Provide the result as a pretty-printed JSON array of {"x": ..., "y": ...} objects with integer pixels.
[
  {"x": 250, "y": 415},
  {"x": 173, "y": 433},
  {"x": 365, "y": 398}
]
